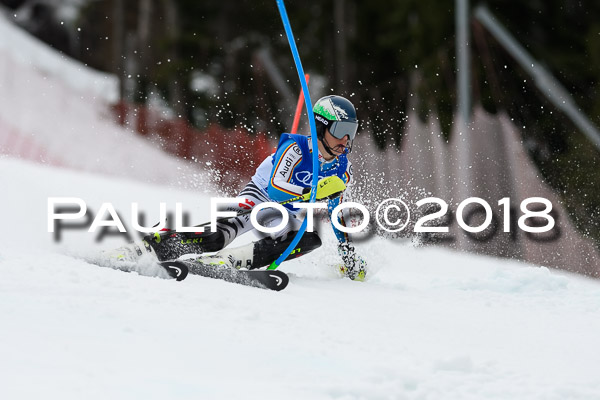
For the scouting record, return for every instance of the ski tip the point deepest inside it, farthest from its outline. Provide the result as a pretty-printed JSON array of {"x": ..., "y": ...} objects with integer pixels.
[
  {"x": 278, "y": 280},
  {"x": 175, "y": 269}
]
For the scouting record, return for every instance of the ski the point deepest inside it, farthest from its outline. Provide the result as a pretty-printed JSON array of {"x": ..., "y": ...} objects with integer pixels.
[
  {"x": 266, "y": 279},
  {"x": 175, "y": 269}
]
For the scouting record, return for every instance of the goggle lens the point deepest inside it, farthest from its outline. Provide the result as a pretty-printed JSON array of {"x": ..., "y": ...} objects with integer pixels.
[{"x": 339, "y": 129}]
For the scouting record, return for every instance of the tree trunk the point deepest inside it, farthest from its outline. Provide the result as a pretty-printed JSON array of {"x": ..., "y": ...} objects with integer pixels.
[
  {"x": 143, "y": 47},
  {"x": 118, "y": 45},
  {"x": 176, "y": 83},
  {"x": 340, "y": 45}
]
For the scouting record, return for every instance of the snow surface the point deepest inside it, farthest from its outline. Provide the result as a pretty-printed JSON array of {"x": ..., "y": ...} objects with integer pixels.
[
  {"x": 56, "y": 110},
  {"x": 31, "y": 52},
  {"x": 428, "y": 324}
]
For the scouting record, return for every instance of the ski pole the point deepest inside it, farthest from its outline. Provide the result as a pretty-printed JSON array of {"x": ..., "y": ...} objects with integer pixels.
[
  {"x": 329, "y": 188},
  {"x": 313, "y": 129}
]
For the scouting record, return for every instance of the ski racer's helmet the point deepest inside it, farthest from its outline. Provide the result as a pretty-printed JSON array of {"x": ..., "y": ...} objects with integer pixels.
[{"x": 338, "y": 114}]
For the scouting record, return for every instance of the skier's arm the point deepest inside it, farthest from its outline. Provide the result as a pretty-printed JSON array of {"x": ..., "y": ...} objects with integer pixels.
[
  {"x": 333, "y": 203},
  {"x": 286, "y": 159},
  {"x": 355, "y": 267}
]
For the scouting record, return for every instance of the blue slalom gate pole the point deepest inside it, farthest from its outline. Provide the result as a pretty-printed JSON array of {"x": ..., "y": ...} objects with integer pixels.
[{"x": 313, "y": 130}]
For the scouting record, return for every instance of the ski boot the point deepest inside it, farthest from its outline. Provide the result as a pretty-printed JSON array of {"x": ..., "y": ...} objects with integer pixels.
[
  {"x": 129, "y": 253},
  {"x": 263, "y": 252}
]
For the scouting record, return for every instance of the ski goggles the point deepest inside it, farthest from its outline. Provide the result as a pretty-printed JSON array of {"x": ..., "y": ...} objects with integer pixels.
[{"x": 339, "y": 129}]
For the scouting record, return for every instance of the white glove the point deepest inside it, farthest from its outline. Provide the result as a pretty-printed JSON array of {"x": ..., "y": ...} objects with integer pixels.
[{"x": 354, "y": 266}]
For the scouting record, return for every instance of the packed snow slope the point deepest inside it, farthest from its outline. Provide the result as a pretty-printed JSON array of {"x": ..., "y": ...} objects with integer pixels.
[
  {"x": 56, "y": 110},
  {"x": 428, "y": 324}
]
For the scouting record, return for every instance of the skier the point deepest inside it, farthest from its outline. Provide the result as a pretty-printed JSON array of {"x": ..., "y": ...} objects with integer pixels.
[{"x": 284, "y": 175}]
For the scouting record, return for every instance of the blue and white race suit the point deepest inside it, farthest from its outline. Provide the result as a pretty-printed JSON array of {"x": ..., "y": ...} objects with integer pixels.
[{"x": 282, "y": 176}]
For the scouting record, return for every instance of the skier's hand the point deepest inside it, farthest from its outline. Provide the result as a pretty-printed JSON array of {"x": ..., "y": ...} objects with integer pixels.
[
  {"x": 354, "y": 266},
  {"x": 329, "y": 187}
]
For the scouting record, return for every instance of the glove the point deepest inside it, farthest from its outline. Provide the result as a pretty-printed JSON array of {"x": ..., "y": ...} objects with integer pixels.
[
  {"x": 354, "y": 266},
  {"x": 329, "y": 187}
]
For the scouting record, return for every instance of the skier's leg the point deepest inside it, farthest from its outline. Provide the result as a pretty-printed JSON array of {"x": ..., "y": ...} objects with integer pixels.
[
  {"x": 167, "y": 245},
  {"x": 266, "y": 250},
  {"x": 170, "y": 245}
]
